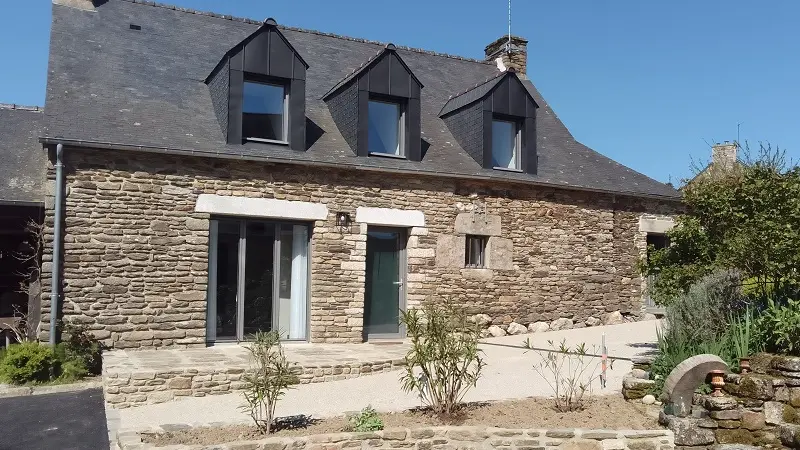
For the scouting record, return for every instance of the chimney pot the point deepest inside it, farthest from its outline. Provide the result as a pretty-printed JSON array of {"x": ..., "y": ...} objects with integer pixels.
[{"x": 509, "y": 56}]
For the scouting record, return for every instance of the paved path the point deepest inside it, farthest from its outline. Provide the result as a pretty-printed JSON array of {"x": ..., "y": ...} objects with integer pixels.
[
  {"x": 508, "y": 375},
  {"x": 72, "y": 420}
]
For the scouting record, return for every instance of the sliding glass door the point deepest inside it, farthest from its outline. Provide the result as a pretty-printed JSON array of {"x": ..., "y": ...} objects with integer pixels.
[{"x": 258, "y": 279}]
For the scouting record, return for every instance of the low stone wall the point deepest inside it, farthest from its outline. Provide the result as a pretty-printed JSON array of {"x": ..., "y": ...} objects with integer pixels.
[
  {"x": 636, "y": 384},
  {"x": 445, "y": 438},
  {"x": 759, "y": 410},
  {"x": 125, "y": 390}
]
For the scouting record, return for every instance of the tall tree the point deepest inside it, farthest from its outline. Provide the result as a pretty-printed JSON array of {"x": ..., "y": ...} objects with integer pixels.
[{"x": 744, "y": 217}]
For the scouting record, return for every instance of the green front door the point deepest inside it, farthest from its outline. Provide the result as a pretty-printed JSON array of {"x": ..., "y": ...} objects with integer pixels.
[{"x": 385, "y": 293}]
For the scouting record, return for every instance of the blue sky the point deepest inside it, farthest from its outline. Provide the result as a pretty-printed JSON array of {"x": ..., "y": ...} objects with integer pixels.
[{"x": 647, "y": 83}]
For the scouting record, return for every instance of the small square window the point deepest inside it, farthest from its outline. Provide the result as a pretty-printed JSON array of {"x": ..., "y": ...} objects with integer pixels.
[
  {"x": 385, "y": 123},
  {"x": 264, "y": 112},
  {"x": 475, "y": 252},
  {"x": 506, "y": 144}
]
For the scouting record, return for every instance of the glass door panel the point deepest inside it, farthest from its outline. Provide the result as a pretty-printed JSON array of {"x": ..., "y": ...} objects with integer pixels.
[
  {"x": 293, "y": 281},
  {"x": 258, "y": 279},
  {"x": 227, "y": 279},
  {"x": 384, "y": 282}
]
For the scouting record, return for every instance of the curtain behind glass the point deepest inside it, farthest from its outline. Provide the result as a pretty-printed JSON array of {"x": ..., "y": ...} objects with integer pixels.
[{"x": 299, "y": 294}]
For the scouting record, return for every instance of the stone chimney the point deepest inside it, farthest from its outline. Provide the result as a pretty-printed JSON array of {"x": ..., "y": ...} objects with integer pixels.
[
  {"x": 724, "y": 155},
  {"x": 515, "y": 55}
]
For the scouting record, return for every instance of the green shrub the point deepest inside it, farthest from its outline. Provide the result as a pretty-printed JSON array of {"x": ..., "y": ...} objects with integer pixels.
[
  {"x": 267, "y": 381},
  {"x": 70, "y": 367},
  {"x": 366, "y": 420},
  {"x": 444, "y": 361},
  {"x": 709, "y": 318},
  {"x": 569, "y": 372},
  {"x": 28, "y": 362},
  {"x": 704, "y": 312},
  {"x": 778, "y": 327},
  {"x": 82, "y": 347}
]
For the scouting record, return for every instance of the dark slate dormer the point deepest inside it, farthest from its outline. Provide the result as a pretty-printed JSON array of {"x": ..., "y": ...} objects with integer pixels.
[
  {"x": 267, "y": 70},
  {"x": 379, "y": 93},
  {"x": 491, "y": 118}
]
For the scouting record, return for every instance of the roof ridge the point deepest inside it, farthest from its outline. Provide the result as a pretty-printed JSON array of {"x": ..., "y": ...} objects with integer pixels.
[
  {"x": 303, "y": 30},
  {"x": 21, "y": 107}
]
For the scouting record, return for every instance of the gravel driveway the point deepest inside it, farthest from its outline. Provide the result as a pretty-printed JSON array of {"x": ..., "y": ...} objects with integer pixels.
[{"x": 509, "y": 374}]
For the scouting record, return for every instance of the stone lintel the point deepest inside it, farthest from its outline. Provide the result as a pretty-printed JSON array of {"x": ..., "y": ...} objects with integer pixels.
[
  {"x": 260, "y": 207},
  {"x": 479, "y": 224},
  {"x": 655, "y": 225},
  {"x": 390, "y": 217}
]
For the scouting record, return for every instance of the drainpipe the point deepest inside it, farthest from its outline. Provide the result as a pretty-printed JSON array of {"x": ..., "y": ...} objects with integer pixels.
[{"x": 56, "y": 264}]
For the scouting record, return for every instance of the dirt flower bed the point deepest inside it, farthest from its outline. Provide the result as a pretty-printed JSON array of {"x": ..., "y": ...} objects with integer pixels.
[{"x": 608, "y": 412}]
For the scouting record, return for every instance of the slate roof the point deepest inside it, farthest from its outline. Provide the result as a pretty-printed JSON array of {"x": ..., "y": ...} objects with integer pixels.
[
  {"x": 23, "y": 161},
  {"x": 472, "y": 94},
  {"x": 364, "y": 66},
  {"x": 113, "y": 87}
]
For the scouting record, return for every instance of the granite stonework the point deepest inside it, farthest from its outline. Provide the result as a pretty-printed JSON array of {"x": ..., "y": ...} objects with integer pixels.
[
  {"x": 136, "y": 252},
  {"x": 454, "y": 437},
  {"x": 758, "y": 409}
]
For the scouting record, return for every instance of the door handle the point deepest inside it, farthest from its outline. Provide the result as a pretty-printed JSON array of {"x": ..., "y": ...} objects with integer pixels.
[{"x": 399, "y": 283}]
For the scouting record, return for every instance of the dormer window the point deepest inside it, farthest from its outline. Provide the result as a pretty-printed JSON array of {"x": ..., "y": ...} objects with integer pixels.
[
  {"x": 258, "y": 90},
  {"x": 377, "y": 108},
  {"x": 495, "y": 122},
  {"x": 506, "y": 144},
  {"x": 265, "y": 112},
  {"x": 386, "y": 128}
]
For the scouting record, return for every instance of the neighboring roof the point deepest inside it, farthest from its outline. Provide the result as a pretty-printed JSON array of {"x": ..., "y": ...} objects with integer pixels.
[
  {"x": 24, "y": 161},
  {"x": 110, "y": 86}
]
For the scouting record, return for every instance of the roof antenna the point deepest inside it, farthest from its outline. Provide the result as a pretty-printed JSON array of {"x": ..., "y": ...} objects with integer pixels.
[
  {"x": 508, "y": 46},
  {"x": 738, "y": 125}
]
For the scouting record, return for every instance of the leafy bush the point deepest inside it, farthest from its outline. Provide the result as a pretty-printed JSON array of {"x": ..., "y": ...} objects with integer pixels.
[
  {"x": 72, "y": 370},
  {"x": 778, "y": 327},
  {"x": 81, "y": 349},
  {"x": 444, "y": 361},
  {"x": 269, "y": 378},
  {"x": 746, "y": 218},
  {"x": 569, "y": 372},
  {"x": 712, "y": 317},
  {"x": 28, "y": 362},
  {"x": 704, "y": 312},
  {"x": 366, "y": 420}
]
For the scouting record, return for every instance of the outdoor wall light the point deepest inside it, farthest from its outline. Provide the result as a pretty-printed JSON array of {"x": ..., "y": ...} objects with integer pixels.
[{"x": 342, "y": 219}]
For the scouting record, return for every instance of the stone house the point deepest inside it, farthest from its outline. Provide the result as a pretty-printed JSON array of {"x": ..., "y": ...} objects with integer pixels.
[
  {"x": 22, "y": 175},
  {"x": 221, "y": 176}
]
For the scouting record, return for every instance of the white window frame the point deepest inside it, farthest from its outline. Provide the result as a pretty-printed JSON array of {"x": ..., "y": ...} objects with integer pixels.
[
  {"x": 517, "y": 144},
  {"x": 401, "y": 128},
  {"x": 285, "y": 125}
]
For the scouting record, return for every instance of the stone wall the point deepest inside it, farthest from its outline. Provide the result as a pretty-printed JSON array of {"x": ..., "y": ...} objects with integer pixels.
[
  {"x": 135, "y": 251},
  {"x": 758, "y": 410},
  {"x": 446, "y": 438},
  {"x": 125, "y": 389}
]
